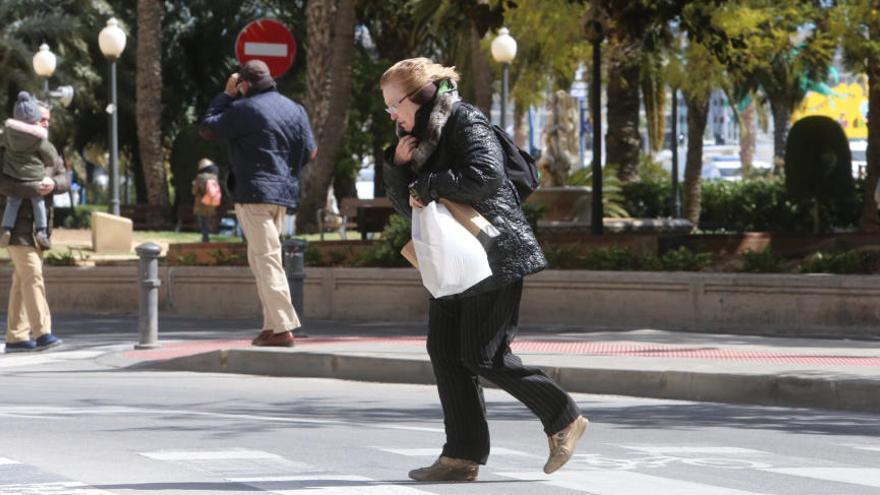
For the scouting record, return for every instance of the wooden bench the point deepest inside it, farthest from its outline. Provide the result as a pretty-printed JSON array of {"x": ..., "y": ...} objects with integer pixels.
[{"x": 365, "y": 215}]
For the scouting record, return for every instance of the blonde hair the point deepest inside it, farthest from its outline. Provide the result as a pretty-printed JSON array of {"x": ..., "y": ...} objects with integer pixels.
[{"x": 413, "y": 73}]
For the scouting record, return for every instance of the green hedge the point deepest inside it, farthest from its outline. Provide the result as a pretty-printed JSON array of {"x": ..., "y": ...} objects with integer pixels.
[{"x": 750, "y": 205}]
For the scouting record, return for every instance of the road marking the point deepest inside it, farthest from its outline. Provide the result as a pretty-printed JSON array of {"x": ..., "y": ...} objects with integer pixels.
[
  {"x": 718, "y": 450},
  {"x": 4, "y": 461},
  {"x": 191, "y": 455},
  {"x": 434, "y": 452},
  {"x": 856, "y": 476},
  {"x": 26, "y": 359},
  {"x": 865, "y": 447},
  {"x": 327, "y": 484},
  {"x": 409, "y": 428},
  {"x": 622, "y": 483},
  {"x": 58, "y": 488},
  {"x": 265, "y": 49},
  {"x": 55, "y": 411}
]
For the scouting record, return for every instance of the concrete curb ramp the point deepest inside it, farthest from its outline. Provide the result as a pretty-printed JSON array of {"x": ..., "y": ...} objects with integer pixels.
[{"x": 824, "y": 391}]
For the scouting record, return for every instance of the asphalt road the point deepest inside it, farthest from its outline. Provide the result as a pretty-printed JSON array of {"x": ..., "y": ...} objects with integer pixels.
[{"x": 71, "y": 425}]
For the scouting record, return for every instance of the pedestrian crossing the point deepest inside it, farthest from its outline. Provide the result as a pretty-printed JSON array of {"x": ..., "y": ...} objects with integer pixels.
[{"x": 604, "y": 470}]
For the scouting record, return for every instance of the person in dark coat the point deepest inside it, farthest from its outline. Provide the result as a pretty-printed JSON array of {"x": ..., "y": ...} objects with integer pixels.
[
  {"x": 271, "y": 141},
  {"x": 28, "y": 321},
  {"x": 448, "y": 149}
]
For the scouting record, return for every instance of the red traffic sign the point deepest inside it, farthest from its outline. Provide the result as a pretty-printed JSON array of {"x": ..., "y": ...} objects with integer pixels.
[{"x": 269, "y": 41}]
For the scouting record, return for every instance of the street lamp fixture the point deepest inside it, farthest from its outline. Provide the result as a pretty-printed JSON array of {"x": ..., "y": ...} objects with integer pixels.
[
  {"x": 504, "y": 51},
  {"x": 112, "y": 43},
  {"x": 44, "y": 63}
]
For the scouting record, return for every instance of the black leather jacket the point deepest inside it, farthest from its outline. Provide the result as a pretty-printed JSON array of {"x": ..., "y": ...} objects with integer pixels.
[{"x": 467, "y": 166}]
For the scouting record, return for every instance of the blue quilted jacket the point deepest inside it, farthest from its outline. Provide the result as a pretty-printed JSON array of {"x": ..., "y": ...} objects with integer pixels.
[{"x": 271, "y": 140}]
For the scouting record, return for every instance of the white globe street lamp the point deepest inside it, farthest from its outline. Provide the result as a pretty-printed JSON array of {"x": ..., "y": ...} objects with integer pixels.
[
  {"x": 504, "y": 51},
  {"x": 44, "y": 63},
  {"x": 111, "y": 39}
]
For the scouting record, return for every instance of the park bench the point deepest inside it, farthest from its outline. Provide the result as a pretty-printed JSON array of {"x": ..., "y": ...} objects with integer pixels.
[{"x": 364, "y": 215}]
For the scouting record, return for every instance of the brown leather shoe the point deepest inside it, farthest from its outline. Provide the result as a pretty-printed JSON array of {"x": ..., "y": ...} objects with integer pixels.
[
  {"x": 447, "y": 469},
  {"x": 562, "y": 444},
  {"x": 283, "y": 339},
  {"x": 259, "y": 338}
]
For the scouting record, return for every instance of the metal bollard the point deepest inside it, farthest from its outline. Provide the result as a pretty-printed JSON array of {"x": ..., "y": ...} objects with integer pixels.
[
  {"x": 295, "y": 269},
  {"x": 148, "y": 308}
]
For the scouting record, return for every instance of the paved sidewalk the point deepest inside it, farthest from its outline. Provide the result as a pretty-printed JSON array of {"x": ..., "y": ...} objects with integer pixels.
[{"x": 830, "y": 374}]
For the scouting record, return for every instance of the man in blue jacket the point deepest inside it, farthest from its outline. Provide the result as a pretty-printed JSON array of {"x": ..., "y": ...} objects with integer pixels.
[{"x": 271, "y": 140}]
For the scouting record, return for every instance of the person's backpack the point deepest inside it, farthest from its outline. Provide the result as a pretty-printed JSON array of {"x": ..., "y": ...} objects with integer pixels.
[
  {"x": 519, "y": 165},
  {"x": 213, "y": 194}
]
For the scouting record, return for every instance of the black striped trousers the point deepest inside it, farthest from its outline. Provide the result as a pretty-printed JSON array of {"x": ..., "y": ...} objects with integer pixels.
[{"x": 470, "y": 338}]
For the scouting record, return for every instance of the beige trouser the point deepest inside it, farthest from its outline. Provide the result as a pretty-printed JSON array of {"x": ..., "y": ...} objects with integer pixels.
[
  {"x": 261, "y": 224},
  {"x": 28, "y": 315}
]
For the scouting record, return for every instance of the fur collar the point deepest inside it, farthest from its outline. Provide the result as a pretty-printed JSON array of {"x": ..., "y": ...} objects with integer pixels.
[
  {"x": 29, "y": 129},
  {"x": 441, "y": 112}
]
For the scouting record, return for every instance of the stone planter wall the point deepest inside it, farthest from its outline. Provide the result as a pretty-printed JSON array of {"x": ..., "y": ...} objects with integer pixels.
[{"x": 804, "y": 305}]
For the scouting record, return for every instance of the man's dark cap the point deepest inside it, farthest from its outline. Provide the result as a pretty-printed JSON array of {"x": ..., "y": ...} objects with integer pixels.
[{"x": 257, "y": 74}]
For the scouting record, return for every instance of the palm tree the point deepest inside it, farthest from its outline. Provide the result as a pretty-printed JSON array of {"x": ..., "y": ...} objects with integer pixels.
[
  {"x": 148, "y": 100},
  {"x": 329, "y": 60}
]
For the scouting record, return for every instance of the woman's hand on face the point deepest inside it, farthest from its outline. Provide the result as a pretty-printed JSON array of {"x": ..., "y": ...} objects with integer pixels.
[
  {"x": 405, "y": 148},
  {"x": 414, "y": 203}
]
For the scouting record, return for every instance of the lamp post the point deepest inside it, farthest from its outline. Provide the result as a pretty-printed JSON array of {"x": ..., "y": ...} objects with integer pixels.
[
  {"x": 44, "y": 63},
  {"x": 504, "y": 51},
  {"x": 595, "y": 34},
  {"x": 112, "y": 42},
  {"x": 676, "y": 201}
]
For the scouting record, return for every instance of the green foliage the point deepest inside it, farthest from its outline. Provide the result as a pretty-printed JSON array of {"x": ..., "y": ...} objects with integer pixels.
[
  {"x": 647, "y": 198},
  {"x": 612, "y": 190},
  {"x": 684, "y": 260},
  {"x": 749, "y": 205},
  {"x": 78, "y": 217},
  {"x": 533, "y": 212},
  {"x": 224, "y": 257},
  {"x": 395, "y": 235},
  {"x": 817, "y": 160},
  {"x": 844, "y": 262},
  {"x": 765, "y": 261},
  {"x": 615, "y": 258}
]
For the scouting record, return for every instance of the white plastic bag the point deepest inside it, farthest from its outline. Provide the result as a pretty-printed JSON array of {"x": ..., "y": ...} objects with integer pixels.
[{"x": 451, "y": 259}]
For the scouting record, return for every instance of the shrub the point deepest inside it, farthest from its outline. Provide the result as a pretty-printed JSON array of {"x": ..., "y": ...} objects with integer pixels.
[
  {"x": 845, "y": 262},
  {"x": 78, "y": 217},
  {"x": 765, "y": 261},
  {"x": 387, "y": 254},
  {"x": 647, "y": 198},
  {"x": 684, "y": 260},
  {"x": 563, "y": 257}
]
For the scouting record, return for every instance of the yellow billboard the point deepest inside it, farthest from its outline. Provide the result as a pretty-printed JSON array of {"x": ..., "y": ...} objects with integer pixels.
[{"x": 847, "y": 104}]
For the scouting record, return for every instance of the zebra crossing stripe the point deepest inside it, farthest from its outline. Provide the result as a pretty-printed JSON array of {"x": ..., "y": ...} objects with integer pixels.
[
  {"x": 622, "y": 483},
  {"x": 434, "y": 452},
  {"x": 4, "y": 461},
  {"x": 57, "y": 488},
  {"x": 184, "y": 455},
  {"x": 326, "y": 484},
  {"x": 714, "y": 450},
  {"x": 856, "y": 476}
]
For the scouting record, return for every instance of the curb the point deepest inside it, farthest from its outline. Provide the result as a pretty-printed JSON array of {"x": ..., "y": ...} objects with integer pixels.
[{"x": 784, "y": 390}]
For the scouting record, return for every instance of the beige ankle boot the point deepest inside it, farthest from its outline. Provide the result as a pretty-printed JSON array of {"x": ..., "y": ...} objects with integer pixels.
[{"x": 562, "y": 444}]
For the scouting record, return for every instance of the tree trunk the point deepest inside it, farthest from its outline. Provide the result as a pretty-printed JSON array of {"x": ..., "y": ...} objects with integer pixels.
[
  {"x": 148, "y": 100},
  {"x": 481, "y": 74},
  {"x": 622, "y": 138},
  {"x": 697, "y": 114},
  {"x": 378, "y": 170},
  {"x": 329, "y": 61},
  {"x": 749, "y": 127},
  {"x": 869, "y": 220},
  {"x": 520, "y": 133},
  {"x": 781, "y": 124}
]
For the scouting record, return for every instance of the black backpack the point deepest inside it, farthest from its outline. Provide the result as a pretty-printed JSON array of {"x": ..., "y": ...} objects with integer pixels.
[{"x": 519, "y": 165}]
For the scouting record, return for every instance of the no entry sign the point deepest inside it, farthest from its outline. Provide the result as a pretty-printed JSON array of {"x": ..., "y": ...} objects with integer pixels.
[{"x": 269, "y": 41}]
